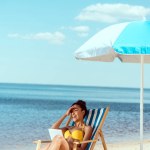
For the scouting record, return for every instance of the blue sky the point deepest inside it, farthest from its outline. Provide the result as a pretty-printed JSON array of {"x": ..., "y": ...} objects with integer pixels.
[{"x": 39, "y": 37}]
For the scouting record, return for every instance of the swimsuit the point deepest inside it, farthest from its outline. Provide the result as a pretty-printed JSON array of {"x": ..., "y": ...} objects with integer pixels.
[{"x": 76, "y": 134}]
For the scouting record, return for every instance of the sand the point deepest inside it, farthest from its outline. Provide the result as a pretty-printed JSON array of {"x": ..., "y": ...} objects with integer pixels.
[
  {"x": 124, "y": 146},
  {"x": 131, "y": 145}
]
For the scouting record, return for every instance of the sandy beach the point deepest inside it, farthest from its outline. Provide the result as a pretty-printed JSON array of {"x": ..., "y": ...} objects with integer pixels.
[
  {"x": 119, "y": 146},
  {"x": 125, "y": 146}
]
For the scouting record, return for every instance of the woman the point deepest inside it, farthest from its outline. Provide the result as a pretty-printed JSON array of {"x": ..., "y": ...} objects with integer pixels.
[{"x": 78, "y": 132}]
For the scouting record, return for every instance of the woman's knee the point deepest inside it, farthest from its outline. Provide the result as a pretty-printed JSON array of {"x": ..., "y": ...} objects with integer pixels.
[
  {"x": 61, "y": 142},
  {"x": 58, "y": 138}
]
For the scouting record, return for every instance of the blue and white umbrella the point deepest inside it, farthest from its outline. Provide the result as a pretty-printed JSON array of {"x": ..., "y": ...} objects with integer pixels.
[{"x": 129, "y": 41}]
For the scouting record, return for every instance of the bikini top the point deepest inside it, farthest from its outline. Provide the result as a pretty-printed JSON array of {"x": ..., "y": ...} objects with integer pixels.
[{"x": 76, "y": 134}]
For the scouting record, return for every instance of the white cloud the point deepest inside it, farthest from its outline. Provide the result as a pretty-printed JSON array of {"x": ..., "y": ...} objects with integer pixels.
[
  {"x": 111, "y": 13},
  {"x": 54, "y": 38},
  {"x": 82, "y": 31},
  {"x": 80, "y": 28}
]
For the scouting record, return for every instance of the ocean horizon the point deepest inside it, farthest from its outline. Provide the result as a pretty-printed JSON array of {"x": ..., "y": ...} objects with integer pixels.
[
  {"x": 28, "y": 110},
  {"x": 95, "y": 93}
]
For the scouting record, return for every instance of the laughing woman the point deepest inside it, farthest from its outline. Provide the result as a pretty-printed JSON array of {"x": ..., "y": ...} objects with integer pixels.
[{"x": 79, "y": 132}]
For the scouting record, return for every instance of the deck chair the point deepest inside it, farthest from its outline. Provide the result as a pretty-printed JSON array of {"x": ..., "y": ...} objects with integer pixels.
[{"x": 95, "y": 118}]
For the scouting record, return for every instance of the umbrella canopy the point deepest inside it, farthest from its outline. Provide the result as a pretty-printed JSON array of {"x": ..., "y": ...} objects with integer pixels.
[
  {"x": 125, "y": 41},
  {"x": 129, "y": 41}
]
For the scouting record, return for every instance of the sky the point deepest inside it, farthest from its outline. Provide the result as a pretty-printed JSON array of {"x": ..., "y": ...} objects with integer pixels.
[{"x": 38, "y": 39}]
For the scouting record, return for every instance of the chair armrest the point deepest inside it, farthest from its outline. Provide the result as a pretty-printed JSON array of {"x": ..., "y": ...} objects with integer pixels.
[
  {"x": 88, "y": 141},
  {"x": 42, "y": 141}
]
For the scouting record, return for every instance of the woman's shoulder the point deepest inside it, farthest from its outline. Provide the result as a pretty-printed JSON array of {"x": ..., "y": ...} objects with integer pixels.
[
  {"x": 88, "y": 131},
  {"x": 87, "y": 127}
]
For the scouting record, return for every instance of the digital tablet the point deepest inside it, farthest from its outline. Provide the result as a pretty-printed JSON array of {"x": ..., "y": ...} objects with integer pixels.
[{"x": 54, "y": 132}]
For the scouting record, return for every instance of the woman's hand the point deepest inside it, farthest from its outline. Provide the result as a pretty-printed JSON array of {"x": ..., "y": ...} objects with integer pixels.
[
  {"x": 70, "y": 142},
  {"x": 70, "y": 139},
  {"x": 69, "y": 111}
]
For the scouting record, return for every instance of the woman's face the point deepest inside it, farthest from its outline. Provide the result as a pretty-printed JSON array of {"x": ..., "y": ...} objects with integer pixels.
[{"x": 77, "y": 113}]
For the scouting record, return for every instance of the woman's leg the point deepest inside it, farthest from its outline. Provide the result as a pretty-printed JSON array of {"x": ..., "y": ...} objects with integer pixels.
[{"x": 59, "y": 143}]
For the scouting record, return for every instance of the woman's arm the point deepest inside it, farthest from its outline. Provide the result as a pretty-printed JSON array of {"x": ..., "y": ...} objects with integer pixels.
[
  {"x": 57, "y": 124},
  {"x": 87, "y": 136}
]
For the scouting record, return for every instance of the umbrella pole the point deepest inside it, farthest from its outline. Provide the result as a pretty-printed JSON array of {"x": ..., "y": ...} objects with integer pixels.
[{"x": 141, "y": 102}]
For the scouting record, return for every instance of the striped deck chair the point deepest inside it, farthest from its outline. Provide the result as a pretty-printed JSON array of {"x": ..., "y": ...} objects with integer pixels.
[{"x": 95, "y": 118}]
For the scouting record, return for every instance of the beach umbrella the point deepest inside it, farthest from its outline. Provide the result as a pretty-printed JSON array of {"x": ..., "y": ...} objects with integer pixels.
[{"x": 128, "y": 41}]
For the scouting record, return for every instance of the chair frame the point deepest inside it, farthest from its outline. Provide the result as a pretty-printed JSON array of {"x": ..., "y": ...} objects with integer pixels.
[{"x": 98, "y": 136}]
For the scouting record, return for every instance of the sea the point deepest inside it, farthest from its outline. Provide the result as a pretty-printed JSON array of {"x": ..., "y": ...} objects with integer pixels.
[{"x": 28, "y": 110}]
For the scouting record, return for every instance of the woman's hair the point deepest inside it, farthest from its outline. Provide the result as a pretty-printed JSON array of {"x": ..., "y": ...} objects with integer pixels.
[{"x": 82, "y": 105}]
